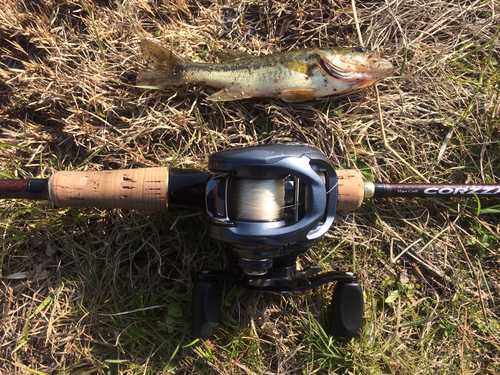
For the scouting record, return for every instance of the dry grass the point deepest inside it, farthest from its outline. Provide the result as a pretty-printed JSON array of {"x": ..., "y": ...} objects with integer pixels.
[{"x": 83, "y": 289}]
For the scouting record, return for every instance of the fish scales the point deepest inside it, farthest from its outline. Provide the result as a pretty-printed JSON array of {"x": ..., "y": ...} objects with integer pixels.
[
  {"x": 261, "y": 76},
  {"x": 295, "y": 75}
]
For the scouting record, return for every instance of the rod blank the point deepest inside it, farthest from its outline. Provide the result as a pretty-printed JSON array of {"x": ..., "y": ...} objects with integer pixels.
[{"x": 34, "y": 189}]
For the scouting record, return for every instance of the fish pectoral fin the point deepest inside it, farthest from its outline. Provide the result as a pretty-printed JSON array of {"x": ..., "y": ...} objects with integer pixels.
[
  {"x": 226, "y": 95},
  {"x": 227, "y": 55},
  {"x": 298, "y": 95},
  {"x": 332, "y": 69}
]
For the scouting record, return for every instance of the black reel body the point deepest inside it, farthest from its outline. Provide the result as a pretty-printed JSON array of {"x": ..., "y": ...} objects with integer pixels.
[{"x": 271, "y": 203}]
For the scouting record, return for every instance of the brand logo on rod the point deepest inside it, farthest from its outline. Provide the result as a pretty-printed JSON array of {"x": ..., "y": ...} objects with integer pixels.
[{"x": 463, "y": 190}]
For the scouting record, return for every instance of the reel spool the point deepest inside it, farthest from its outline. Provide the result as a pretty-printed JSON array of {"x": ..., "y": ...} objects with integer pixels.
[
  {"x": 271, "y": 203},
  {"x": 256, "y": 200}
]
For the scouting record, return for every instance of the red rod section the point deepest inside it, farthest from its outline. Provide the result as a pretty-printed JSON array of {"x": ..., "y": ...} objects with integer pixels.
[
  {"x": 435, "y": 190},
  {"x": 24, "y": 189}
]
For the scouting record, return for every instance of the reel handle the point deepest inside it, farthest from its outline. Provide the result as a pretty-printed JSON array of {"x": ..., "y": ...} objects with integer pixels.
[
  {"x": 206, "y": 307},
  {"x": 346, "y": 310}
]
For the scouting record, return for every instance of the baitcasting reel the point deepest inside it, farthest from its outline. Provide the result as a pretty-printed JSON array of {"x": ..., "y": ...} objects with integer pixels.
[{"x": 271, "y": 203}]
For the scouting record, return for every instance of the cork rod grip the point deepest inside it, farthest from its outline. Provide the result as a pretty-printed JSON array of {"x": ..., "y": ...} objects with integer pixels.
[
  {"x": 351, "y": 190},
  {"x": 135, "y": 189}
]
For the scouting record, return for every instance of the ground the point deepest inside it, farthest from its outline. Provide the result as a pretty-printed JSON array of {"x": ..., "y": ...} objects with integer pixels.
[{"x": 87, "y": 291}]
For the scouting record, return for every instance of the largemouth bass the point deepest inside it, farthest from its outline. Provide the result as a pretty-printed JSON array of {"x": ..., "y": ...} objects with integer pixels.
[{"x": 293, "y": 76}]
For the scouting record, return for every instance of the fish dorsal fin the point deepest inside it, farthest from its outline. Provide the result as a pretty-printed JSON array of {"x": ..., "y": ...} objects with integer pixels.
[
  {"x": 332, "y": 69},
  {"x": 227, "y": 55}
]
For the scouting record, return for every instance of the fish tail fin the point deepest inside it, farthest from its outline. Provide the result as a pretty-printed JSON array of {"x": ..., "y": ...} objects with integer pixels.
[{"x": 164, "y": 69}]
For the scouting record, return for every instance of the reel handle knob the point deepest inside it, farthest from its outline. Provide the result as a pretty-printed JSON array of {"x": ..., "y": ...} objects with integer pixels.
[
  {"x": 206, "y": 307},
  {"x": 346, "y": 314}
]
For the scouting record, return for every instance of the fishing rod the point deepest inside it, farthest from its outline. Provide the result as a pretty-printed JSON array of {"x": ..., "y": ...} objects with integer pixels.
[{"x": 270, "y": 203}]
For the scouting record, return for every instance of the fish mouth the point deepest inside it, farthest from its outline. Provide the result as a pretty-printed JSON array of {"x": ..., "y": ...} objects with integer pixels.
[
  {"x": 379, "y": 65},
  {"x": 366, "y": 67}
]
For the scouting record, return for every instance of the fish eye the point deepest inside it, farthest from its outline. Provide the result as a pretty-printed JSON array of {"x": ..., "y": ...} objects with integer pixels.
[{"x": 359, "y": 49}]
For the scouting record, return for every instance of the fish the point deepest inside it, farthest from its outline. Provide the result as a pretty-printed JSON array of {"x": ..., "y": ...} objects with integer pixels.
[{"x": 294, "y": 76}]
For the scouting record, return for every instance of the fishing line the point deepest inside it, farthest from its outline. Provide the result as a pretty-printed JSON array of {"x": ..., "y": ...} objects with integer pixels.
[
  {"x": 256, "y": 199},
  {"x": 259, "y": 199}
]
